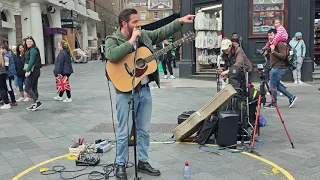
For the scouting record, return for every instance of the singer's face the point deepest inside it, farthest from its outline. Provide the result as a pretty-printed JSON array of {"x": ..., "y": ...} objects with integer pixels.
[{"x": 133, "y": 23}]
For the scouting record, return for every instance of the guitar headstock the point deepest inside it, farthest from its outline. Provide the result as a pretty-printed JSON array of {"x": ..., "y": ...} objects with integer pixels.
[{"x": 189, "y": 36}]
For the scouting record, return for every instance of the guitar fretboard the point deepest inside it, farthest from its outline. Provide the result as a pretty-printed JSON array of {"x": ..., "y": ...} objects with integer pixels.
[{"x": 164, "y": 50}]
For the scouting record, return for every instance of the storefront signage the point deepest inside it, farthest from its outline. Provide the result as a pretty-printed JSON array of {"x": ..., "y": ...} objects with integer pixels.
[{"x": 70, "y": 23}]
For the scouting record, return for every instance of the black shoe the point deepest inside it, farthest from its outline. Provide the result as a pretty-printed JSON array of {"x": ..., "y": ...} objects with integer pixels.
[
  {"x": 121, "y": 173},
  {"x": 292, "y": 101},
  {"x": 35, "y": 106},
  {"x": 145, "y": 167},
  {"x": 269, "y": 106}
]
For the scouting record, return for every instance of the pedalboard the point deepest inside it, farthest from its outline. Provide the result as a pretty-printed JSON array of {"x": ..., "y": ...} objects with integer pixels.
[{"x": 85, "y": 161}]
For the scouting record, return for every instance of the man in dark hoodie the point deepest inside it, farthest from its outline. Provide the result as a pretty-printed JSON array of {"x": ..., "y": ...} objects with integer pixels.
[{"x": 118, "y": 45}]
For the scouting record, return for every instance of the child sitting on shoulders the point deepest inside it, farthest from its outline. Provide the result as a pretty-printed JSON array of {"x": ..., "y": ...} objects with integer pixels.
[{"x": 281, "y": 36}]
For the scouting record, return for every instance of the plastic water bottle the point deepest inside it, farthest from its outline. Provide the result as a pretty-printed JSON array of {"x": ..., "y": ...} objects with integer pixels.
[{"x": 186, "y": 171}]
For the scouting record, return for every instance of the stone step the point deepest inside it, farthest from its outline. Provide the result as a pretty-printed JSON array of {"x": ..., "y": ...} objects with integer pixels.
[
  {"x": 208, "y": 77},
  {"x": 316, "y": 76},
  {"x": 208, "y": 70},
  {"x": 206, "y": 73}
]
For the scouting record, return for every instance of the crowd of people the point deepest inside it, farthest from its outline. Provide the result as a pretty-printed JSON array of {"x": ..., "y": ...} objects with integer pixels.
[{"x": 20, "y": 69}]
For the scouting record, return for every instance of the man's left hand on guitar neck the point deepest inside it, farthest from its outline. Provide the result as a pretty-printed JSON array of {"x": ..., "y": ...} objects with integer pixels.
[{"x": 187, "y": 19}]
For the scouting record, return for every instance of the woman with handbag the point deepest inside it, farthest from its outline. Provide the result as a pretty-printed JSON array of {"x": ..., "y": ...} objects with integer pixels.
[
  {"x": 63, "y": 67},
  {"x": 32, "y": 68}
]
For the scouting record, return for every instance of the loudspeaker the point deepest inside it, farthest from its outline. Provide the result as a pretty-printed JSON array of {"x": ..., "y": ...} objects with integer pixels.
[{"x": 227, "y": 129}]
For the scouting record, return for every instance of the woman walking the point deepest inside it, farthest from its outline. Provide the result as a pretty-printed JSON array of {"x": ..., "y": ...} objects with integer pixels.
[
  {"x": 33, "y": 61},
  {"x": 63, "y": 66},
  {"x": 3, "y": 86}
]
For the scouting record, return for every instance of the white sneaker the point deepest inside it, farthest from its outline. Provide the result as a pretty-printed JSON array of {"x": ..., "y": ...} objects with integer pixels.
[
  {"x": 295, "y": 82},
  {"x": 27, "y": 99},
  {"x": 172, "y": 77},
  {"x": 58, "y": 98},
  {"x": 20, "y": 99},
  {"x": 300, "y": 82},
  {"x": 6, "y": 106},
  {"x": 165, "y": 77},
  {"x": 68, "y": 100},
  {"x": 281, "y": 94}
]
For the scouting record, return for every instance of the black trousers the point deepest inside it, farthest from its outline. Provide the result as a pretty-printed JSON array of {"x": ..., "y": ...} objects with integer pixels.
[
  {"x": 3, "y": 88},
  {"x": 67, "y": 91},
  {"x": 31, "y": 85},
  {"x": 167, "y": 61}
]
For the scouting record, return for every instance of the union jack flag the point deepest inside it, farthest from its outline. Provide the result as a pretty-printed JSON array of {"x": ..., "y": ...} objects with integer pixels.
[{"x": 62, "y": 83}]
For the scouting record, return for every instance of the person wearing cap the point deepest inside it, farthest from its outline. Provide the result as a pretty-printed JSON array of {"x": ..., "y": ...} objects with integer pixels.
[
  {"x": 299, "y": 47},
  {"x": 233, "y": 54}
]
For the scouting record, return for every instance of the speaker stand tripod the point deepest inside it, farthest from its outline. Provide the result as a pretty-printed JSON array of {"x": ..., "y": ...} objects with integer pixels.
[{"x": 262, "y": 99}]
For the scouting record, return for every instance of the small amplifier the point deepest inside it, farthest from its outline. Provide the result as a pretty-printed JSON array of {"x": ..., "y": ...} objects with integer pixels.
[{"x": 228, "y": 128}]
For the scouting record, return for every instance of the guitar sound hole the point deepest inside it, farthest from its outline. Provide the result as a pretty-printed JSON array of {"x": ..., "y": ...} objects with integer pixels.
[{"x": 141, "y": 63}]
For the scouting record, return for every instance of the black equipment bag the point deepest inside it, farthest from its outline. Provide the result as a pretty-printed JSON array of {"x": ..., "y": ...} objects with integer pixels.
[
  {"x": 184, "y": 116},
  {"x": 209, "y": 127}
]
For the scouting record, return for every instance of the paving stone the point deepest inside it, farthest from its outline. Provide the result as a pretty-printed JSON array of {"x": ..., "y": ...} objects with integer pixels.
[
  {"x": 20, "y": 161},
  {"x": 5, "y": 170},
  {"x": 3, "y": 134},
  {"x": 39, "y": 159},
  {"x": 18, "y": 139},
  {"x": 12, "y": 153}
]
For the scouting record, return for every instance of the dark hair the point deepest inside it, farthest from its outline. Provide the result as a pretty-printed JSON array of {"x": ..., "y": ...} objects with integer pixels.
[
  {"x": 30, "y": 38},
  {"x": 18, "y": 47},
  {"x": 5, "y": 46},
  {"x": 274, "y": 31},
  {"x": 234, "y": 33},
  {"x": 125, "y": 15}
]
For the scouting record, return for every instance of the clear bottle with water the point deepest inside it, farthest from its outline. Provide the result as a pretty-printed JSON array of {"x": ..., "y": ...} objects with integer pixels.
[{"x": 186, "y": 171}]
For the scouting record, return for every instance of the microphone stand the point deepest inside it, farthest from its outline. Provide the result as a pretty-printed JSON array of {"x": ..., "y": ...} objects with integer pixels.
[{"x": 133, "y": 113}]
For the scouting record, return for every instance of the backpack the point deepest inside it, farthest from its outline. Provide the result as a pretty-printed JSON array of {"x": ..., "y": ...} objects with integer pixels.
[{"x": 291, "y": 60}]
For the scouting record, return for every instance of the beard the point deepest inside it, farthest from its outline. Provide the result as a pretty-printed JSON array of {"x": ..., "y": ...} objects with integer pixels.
[{"x": 130, "y": 30}]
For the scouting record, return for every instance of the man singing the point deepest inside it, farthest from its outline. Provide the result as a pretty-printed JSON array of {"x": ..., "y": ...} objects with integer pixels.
[
  {"x": 278, "y": 65},
  {"x": 118, "y": 45}
]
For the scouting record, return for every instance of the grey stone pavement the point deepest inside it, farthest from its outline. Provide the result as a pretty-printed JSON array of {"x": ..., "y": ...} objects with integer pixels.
[{"x": 28, "y": 138}]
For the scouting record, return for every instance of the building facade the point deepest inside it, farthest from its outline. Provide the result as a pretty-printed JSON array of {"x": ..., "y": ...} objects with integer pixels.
[
  {"x": 151, "y": 10},
  {"x": 108, "y": 13},
  {"x": 48, "y": 22},
  {"x": 251, "y": 19}
]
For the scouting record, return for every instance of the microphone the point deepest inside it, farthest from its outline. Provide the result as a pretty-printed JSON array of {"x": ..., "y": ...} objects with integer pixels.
[{"x": 139, "y": 29}]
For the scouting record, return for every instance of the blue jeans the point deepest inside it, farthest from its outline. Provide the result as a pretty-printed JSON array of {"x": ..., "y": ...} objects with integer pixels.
[
  {"x": 20, "y": 82},
  {"x": 276, "y": 75},
  {"x": 143, "y": 110}
]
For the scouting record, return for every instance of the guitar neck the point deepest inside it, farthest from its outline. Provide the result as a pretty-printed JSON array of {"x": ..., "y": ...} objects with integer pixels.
[{"x": 164, "y": 50}]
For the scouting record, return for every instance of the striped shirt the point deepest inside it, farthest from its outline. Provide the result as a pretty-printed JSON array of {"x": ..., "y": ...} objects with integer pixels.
[{"x": 281, "y": 32}]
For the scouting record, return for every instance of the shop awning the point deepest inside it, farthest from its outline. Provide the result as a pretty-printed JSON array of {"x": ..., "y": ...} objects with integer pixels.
[
  {"x": 48, "y": 31},
  {"x": 161, "y": 22}
]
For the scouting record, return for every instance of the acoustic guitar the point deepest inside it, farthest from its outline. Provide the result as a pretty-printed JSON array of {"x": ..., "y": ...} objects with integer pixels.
[{"x": 121, "y": 73}]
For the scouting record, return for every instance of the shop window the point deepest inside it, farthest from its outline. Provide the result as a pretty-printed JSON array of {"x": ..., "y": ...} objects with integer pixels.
[
  {"x": 262, "y": 14},
  {"x": 3, "y": 17},
  {"x": 165, "y": 14},
  {"x": 156, "y": 15},
  {"x": 143, "y": 16}
]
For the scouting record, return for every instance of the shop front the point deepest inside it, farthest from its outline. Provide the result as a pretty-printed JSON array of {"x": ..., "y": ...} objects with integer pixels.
[{"x": 250, "y": 19}]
